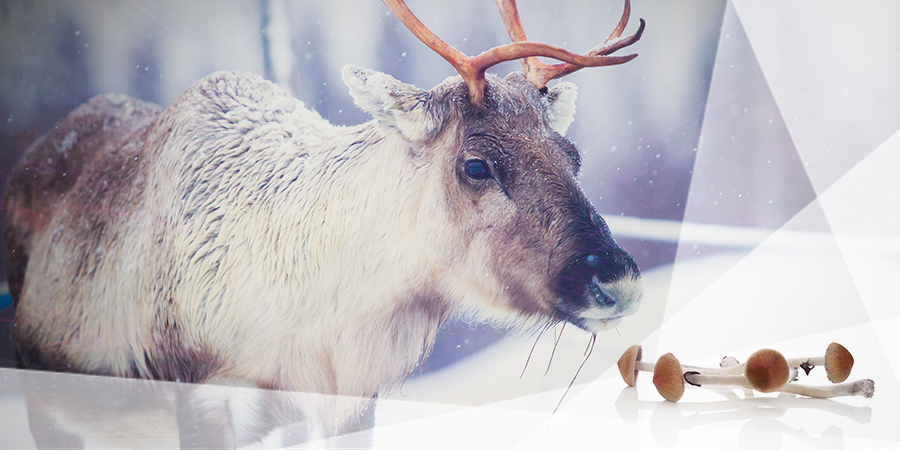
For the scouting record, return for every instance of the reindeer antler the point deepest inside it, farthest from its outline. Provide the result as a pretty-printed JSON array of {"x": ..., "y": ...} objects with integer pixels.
[
  {"x": 472, "y": 68},
  {"x": 540, "y": 73}
]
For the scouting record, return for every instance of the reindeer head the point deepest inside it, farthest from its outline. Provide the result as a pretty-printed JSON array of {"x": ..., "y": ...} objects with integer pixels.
[{"x": 506, "y": 220}]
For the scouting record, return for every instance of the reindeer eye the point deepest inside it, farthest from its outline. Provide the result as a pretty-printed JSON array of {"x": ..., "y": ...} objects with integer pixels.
[{"x": 477, "y": 169}]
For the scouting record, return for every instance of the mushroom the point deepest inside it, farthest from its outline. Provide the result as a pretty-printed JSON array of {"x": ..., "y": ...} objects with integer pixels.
[
  {"x": 668, "y": 377},
  {"x": 728, "y": 361},
  {"x": 766, "y": 371},
  {"x": 837, "y": 361},
  {"x": 630, "y": 364},
  {"x": 667, "y": 373}
]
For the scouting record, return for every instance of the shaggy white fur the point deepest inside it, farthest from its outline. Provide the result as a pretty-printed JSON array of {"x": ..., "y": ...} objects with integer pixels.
[{"x": 238, "y": 235}]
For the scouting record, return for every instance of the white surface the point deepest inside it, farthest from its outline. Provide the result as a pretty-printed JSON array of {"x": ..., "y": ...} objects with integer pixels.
[
  {"x": 594, "y": 413},
  {"x": 482, "y": 403}
]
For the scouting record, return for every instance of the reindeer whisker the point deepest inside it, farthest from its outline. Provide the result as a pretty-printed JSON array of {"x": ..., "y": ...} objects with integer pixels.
[
  {"x": 591, "y": 347},
  {"x": 555, "y": 344},
  {"x": 541, "y": 333}
]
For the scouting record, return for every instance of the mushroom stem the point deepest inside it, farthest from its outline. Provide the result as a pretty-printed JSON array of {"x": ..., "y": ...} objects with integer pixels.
[
  {"x": 811, "y": 362},
  {"x": 736, "y": 370},
  {"x": 793, "y": 362},
  {"x": 732, "y": 367},
  {"x": 701, "y": 379},
  {"x": 838, "y": 363},
  {"x": 865, "y": 388},
  {"x": 650, "y": 367},
  {"x": 630, "y": 365},
  {"x": 644, "y": 366},
  {"x": 766, "y": 371}
]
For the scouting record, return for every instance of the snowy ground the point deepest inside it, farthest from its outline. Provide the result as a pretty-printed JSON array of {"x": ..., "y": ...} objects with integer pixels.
[{"x": 766, "y": 298}]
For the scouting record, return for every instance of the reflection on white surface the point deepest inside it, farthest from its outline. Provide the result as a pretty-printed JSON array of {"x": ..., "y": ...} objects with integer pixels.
[
  {"x": 57, "y": 410},
  {"x": 761, "y": 418},
  {"x": 601, "y": 411}
]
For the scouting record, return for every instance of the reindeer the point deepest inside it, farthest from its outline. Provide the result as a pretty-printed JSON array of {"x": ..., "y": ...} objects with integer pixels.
[{"x": 237, "y": 235}]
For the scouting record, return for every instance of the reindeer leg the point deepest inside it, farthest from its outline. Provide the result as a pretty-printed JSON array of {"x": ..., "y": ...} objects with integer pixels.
[
  {"x": 358, "y": 433},
  {"x": 203, "y": 421}
]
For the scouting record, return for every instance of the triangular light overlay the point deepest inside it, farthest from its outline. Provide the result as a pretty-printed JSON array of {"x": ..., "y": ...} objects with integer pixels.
[
  {"x": 863, "y": 210},
  {"x": 747, "y": 171},
  {"x": 834, "y": 81},
  {"x": 792, "y": 285},
  {"x": 837, "y": 87}
]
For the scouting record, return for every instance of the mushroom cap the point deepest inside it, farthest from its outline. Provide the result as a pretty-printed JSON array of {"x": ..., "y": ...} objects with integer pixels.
[
  {"x": 627, "y": 363},
  {"x": 668, "y": 378},
  {"x": 838, "y": 363},
  {"x": 729, "y": 361},
  {"x": 767, "y": 370}
]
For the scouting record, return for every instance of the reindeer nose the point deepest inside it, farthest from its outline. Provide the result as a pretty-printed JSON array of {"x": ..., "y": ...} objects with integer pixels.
[{"x": 603, "y": 299}]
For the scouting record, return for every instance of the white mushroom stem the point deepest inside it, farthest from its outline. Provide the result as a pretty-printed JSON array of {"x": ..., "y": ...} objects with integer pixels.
[
  {"x": 702, "y": 379},
  {"x": 814, "y": 361},
  {"x": 733, "y": 368},
  {"x": 864, "y": 388},
  {"x": 649, "y": 367},
  {"x": 838, "y": 363},
  {"x": 630, "y": 365},
  {"x": 806, "y": 363},
  {"x": 731, "y": 362}
]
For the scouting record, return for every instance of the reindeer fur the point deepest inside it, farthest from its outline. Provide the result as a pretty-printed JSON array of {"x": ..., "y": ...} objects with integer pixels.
[{"x": 238, "y": 235}]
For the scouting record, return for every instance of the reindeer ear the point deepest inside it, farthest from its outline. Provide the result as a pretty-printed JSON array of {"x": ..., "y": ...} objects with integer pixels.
[
  {"x": 394, "y": 105},
  {"x": 562, "y": 106}
]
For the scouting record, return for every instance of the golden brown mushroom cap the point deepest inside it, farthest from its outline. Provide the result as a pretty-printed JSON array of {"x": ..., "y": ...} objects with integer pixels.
[
  {"x": 668, "y": 378},
  {"x": 627, "y": 362},
  {"x": 767, "y": 370},
  {"x": 838, "y": 363}
]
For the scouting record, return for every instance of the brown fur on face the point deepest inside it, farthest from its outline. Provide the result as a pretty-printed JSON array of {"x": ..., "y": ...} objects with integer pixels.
[{"x": 530, "y": 217}]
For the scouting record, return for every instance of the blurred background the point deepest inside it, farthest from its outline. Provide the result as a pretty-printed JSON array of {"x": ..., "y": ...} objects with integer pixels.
[
  {"x": 735, "y": 114},
  {"x": 637, "y": 124}
]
